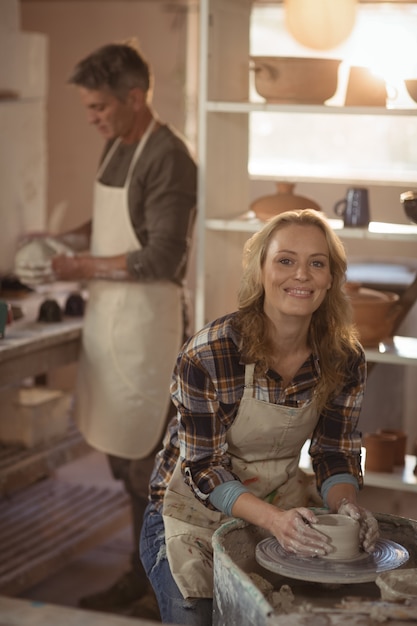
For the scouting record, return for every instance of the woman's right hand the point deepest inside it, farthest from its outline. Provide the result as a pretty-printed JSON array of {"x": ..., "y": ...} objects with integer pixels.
[
  {"x": 294, "y": 532},
  {"x": 291, "y": 528}
]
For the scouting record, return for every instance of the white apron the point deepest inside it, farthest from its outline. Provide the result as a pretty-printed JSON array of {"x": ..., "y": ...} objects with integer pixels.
[
  {"x": 131, "y": 337},
  {"x": 264, "y": 442}
]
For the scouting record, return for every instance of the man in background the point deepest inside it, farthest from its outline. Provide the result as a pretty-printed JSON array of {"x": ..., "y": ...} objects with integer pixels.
[{"x": 138, "y": 244}]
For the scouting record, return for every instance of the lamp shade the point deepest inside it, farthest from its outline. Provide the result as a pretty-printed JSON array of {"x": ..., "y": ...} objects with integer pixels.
[{"x": 320, "y": 24}]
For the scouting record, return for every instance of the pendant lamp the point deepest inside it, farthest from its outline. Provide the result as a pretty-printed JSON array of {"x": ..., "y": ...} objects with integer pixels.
[{"x": 320, "y": 24}]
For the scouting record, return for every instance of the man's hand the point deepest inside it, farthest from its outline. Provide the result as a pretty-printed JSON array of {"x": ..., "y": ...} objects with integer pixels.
[{"x": 87, "y": 267}]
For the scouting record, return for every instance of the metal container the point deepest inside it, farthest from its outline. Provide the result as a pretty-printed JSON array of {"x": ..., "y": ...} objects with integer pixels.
[{"x": 238, "y": 601}]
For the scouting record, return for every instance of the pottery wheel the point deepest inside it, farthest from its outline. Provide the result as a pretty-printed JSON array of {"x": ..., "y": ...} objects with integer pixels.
[{"x": 365, "y": 568}]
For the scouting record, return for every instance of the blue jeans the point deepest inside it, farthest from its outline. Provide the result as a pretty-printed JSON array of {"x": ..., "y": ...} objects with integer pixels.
[{"x": 174, "y": 609}]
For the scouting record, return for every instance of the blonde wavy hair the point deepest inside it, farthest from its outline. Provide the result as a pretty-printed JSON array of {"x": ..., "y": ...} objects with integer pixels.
[{"x": 332, "y": 335}]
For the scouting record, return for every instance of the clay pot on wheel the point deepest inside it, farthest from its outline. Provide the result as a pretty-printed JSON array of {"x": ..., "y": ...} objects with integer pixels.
[
  {"x": 343, "y": 532},
  {"x": 283, "y": 200},
  {"x": 374, "y": 313}
]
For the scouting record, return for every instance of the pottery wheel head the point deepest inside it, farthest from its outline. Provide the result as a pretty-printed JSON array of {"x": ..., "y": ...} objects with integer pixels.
[{"x": 365, "y": 567}]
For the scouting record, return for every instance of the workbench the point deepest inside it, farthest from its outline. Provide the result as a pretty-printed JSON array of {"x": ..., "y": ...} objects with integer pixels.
[
  {"x": 44, "y": 523},
  {"x": 30, "y": 349}
]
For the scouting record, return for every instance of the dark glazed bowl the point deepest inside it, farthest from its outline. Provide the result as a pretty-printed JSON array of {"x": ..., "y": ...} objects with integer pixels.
[
  {"x": 75, "y": 305},
  {"x": 50, "y": 312},
  {"x": 409, "y": 201}
]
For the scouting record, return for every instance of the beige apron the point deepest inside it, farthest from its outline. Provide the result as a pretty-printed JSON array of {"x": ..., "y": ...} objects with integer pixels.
[
  {"x": 264, "y": 442},
  {"x": 131, "y": 337}
]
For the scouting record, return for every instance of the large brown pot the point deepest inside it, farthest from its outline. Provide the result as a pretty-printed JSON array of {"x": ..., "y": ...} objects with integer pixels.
[{"x": 374, "y": 313}]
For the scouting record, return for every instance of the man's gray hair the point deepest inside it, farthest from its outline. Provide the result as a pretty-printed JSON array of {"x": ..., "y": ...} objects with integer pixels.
[{"x": 117, "y": 67}]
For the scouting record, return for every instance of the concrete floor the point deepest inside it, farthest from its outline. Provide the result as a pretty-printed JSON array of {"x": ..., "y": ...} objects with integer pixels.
[{"x": 98, "y": 568}]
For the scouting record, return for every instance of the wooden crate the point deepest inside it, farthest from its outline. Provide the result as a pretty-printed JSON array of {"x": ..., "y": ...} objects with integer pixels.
[{"x": 34, "y": 415}]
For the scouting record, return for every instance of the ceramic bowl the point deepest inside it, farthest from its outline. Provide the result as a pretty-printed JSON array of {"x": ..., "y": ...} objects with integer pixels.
[
  {"x": 374, "y": 313},
  {"x": 343, "y": 532},
  {"x": 50, "y": 311},
  {"x": 411, "y": 84},
  {"x": 398, "y": 586},
  {"x": 298, "y": 80},
  {"x": 408, "y": 200},
  {"x": 74, "y": 305}
]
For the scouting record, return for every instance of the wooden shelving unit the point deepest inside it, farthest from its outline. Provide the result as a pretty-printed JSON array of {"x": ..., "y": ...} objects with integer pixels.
[{"x": 224, "y": 222}]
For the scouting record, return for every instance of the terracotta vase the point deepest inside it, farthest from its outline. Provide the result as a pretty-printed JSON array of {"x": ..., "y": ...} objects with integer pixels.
[
  {"x": 283, "y": 200},
  {"x": 380, "y": 452}
]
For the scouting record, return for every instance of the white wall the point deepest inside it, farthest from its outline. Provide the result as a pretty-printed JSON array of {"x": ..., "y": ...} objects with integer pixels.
[
  {"x": 23, "y": 165},
  {"x": 74, "y": 29}
]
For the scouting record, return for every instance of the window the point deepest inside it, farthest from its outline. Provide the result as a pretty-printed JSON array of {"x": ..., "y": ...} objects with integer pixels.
[{"x": 366, "y": 147}]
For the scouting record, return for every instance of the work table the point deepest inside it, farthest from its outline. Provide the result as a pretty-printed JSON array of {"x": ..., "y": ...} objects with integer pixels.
[
  {"x": 32, "y": 349},
  {"x": 29, "y": 347}
]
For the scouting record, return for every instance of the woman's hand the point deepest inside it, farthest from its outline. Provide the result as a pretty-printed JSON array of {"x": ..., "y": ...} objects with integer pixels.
[
  {"x": 369, "y": 531},
  {"x": 293, "y": 530}
]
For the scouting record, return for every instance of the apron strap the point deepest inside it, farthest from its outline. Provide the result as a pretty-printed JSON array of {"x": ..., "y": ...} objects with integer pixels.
[
  {"x": 139, "y": 150},
  {"x": 248, "y": 389},
  {"x": 107, "y": 158}
]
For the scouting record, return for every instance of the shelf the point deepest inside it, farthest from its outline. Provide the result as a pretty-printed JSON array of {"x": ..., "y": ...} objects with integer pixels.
[
  {"x": 376, "y": 231},
  {"x": 21, "y": 467},
  {"x": 401, "y": 479},
  {"x": 51, "y": 522},
  {"x": 253, "y": 107},
  {"x": 397, "y": 351}
]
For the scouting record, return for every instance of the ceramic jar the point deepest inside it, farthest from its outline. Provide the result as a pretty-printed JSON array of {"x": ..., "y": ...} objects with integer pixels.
[
  {"x": 400, "y": 444},
  {"x": 283, "y": 200},
  {"x": 380, "y": 452}
]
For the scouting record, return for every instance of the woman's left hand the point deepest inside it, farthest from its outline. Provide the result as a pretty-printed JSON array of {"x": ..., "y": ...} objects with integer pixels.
[{"x": 369, "y": 531}]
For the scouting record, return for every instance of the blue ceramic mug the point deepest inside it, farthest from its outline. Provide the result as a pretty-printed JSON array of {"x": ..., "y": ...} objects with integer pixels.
[{"x": 354, "y": 208}]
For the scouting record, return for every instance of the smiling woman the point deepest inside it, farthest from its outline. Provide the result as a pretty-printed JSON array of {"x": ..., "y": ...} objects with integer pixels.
[{"x": 249, "y": 387}]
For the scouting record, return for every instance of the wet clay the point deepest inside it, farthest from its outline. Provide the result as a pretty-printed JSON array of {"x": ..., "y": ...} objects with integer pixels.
[{"x": 343, "y": 532}]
